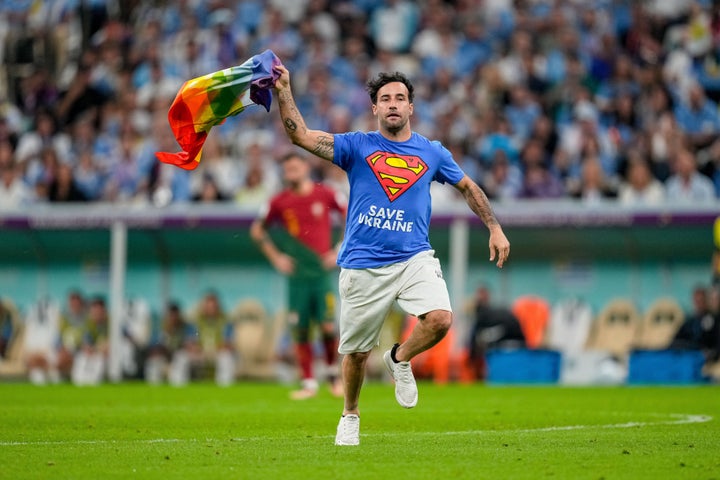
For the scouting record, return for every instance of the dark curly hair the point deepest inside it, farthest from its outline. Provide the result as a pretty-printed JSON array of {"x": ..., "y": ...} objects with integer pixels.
[{"x": 383, "y": 79}]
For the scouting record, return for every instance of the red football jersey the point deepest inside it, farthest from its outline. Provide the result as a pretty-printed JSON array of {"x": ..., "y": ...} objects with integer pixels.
[{"x": 307, "y": 217}]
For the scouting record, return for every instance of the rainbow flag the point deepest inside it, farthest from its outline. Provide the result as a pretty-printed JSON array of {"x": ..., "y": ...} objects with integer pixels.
[{"x": 206, "y": 101}]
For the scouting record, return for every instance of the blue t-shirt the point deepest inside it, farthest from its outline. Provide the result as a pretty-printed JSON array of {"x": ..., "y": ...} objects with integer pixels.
[{"x": 389, "y": 206}]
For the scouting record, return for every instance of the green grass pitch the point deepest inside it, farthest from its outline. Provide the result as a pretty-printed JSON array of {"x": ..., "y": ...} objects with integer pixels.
[{"x": 456, "y": 431}]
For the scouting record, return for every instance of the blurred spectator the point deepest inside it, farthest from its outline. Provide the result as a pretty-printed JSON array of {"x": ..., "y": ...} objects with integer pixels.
[
  {"x": 161, "y": 86},
  {"x": 217, "y": 167},
  {"x": 701, "y": 329},
  {"x": 210, "y": 350},
  {"x": 539, "y": 181},
  {"x": 512, "y": 65},
  {"x": 41, "y": 173},
  {"x": 36, "y": 91},
  {"x": 715, "y": 262},
  {"x": 73, "y": 324},
  {"x": 44, "y": 134},
  {"x": 502, "y": 181},
  {"x": 81, "y": 96},
  {"x": 640, "y": 187},
  {"x": 436, "y": 40},
  {"x": 88, "y": 177},
  {"x": 63, "y": 188},
  {"x": 260, "y": 179},
  {"x": 40, "y": 341},
  {"x": 90, "y": 361},
  {"x": 522, "y": 113},
  {"x": 493, "y": 327},
  {"x": 593, "y": 187},
  {"x": 7, "y": 329},
  {"x": 13, "y": 191},
  {"x": 254, "y": 191},
  {"x": 621, "y": 84},
  {"x": 586, "y": 129},
  {"x": 687, "y": 185},
  {"x": 273, "y": 33},
  {"x": 393, "y": 25},
  {"x": 664, "y": 138},
  {"x": 209, "y": 191},
  {"x": 474, "y": 48},
  {"x": 124, "y": 175},
  {"x": 195, "y": 62},
  {"x": 498, "y": 137},
  {"x": 698, "y": 117},
  {"x": 710, "y": 161},
  {"x": 586, "y": 80},
  {"x": 169, "y": 338}
]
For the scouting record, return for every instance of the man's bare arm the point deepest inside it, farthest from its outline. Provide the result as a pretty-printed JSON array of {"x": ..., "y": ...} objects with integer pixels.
[
  {"x": 477, "y": 200},
  {"x": 318, "y": 142},
  {"x": 282, "y": 262},
  {"x": 480, "y": 205}
]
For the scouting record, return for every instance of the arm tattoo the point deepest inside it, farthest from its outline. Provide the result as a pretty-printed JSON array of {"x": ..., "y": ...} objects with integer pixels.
[
  {"x": 324, "y": 147},
  {"x": 479, "y": 203},
  {"x": 290, "y": 126},
  {"x": 290, "y": 114}
]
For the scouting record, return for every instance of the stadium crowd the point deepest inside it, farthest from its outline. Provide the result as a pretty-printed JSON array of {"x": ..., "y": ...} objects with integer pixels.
[{"x": 593, "y": 100}]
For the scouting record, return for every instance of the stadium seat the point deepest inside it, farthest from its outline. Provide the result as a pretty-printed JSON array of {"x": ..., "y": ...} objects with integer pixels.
[
  {"x": 615, "y": 328},
  {"x": 533, "y": 313},
  {"x": 666, "y": 367},
  {"x": 569, "y": 327},
  {"x": 611, "y": 338},
  {"x": 659, "y": 325},
  {"x": 256, "y": 336},
  {"x": 571, "y": 321},
  {"x": 523, "y": 366}
]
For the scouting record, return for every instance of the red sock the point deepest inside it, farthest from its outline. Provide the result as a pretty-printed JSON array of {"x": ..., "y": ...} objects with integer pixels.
[
  {"x": 305, "y": 359},
  {"x": 330, "y": 342}
]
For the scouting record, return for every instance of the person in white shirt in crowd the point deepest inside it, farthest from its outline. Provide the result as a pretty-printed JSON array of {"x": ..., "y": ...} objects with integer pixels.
[
  {"x": 688, "y": 185},
  {"x": 640, "y": 186}
]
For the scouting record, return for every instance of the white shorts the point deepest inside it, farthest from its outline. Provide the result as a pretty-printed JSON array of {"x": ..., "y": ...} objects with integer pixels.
[{"x": 367, "y": 294}]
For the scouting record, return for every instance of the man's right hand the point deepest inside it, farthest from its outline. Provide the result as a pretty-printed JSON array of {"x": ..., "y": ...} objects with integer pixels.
[
  {"x": 283, "y": 263},
  {"x": 283, "y": 81}
]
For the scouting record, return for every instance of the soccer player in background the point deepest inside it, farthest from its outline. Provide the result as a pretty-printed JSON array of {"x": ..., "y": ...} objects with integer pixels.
[
  {"x": 303, "y": 251},
  {"x": 386, "y": 255}
]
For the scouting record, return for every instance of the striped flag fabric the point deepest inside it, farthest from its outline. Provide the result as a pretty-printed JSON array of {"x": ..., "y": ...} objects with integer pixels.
[{"x": 206, "y": 101}]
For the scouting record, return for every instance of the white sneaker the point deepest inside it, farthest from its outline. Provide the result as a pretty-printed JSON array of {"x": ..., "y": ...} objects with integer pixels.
[
  {"x": 406, "y": 392},
  {"x": 348, "y": 430}
]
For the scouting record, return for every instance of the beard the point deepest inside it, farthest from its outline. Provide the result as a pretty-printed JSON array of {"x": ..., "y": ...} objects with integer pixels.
[{"x": 395, "y": 127}]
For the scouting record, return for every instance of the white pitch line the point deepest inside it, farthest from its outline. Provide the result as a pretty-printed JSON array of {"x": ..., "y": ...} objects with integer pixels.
[
  {"x": 677, "y": 419},
  {"x": 680, "y": 419}
]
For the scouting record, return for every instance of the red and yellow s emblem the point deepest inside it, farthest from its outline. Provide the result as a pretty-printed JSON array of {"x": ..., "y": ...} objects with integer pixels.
[{"x": 396, "y": 173}]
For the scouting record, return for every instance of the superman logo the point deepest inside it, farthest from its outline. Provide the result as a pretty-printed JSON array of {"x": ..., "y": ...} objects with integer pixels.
[{"x": 396, "y": 173}]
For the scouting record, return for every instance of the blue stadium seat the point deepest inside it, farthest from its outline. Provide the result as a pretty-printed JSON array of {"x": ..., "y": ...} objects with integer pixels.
[
  {"x": 666, "y": 367},
  {"x": 523, "y": 366}
]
